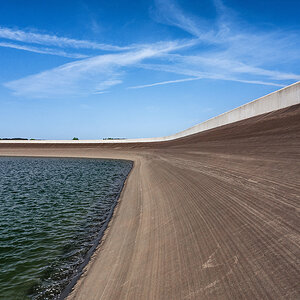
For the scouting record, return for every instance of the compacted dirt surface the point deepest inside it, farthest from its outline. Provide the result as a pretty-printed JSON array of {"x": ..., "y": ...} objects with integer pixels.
[{"x": 211, "y": 216}]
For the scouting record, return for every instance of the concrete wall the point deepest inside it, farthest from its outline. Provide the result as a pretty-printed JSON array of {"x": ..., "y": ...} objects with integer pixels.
[{"x": 282, "y": 98}]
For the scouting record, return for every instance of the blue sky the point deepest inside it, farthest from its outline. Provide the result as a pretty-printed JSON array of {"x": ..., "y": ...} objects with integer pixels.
[{"x": 94, "y": 69}]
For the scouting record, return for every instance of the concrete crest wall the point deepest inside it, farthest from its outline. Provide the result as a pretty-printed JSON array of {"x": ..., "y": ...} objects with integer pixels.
[{"x": 282, "y": 98}]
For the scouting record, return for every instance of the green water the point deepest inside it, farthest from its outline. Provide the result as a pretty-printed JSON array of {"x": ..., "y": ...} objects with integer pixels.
[{"x": 52, "y": 212}]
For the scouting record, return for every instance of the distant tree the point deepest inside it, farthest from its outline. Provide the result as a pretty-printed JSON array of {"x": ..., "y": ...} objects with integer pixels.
[{"x": 75, "y": 139}]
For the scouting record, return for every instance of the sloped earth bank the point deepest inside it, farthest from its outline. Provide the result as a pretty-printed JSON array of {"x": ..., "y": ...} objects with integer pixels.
[{"x": 210, "y": 216}]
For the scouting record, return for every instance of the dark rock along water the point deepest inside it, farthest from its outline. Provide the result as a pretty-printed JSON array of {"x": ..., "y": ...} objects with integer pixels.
[{"x": 51, "y": 213}]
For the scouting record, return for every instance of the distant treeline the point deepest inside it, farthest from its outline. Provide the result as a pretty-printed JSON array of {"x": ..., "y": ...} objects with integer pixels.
[
  {"x": 22, "y": 139},
  {"x": 110, "y": 138}
]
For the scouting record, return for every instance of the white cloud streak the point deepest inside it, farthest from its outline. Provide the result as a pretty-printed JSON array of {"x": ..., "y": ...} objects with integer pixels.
[
  {"x": 42, "y": 50},
  {"x": 86, "y": 76},
  {"x": 169, "y": 13},
  {"x": 53, "y": 40},
  {"x": 164, "y": 82},
  {"x": 204, "y": 64},
  {"x": 210, "y": 77}
]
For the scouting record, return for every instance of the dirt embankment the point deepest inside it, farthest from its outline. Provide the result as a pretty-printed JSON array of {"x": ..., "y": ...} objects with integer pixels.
[{"x": 210, "y": 216}]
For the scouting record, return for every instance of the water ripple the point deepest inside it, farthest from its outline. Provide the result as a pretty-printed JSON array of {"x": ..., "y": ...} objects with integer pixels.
[{"x": 52, "y": 211}]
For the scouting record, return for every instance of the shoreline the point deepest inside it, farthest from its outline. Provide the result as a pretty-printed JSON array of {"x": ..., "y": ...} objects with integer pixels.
[
  {"x": 81, "y": 270},
  {"x": 209, "y": 216}
]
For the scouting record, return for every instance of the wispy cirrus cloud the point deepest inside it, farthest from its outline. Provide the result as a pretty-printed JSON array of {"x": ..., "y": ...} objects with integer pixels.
[
  {"x": 87, "y": 76},
  {"x": 230, "y": 35},
  {"x": 164, "y": 82},
  {"x": 209, "y": 76},
  {"x": 213, "y": 66},
  {"x": 169, "y": 13},
  {"x": 237, "y": 52},
  {"x": 52, "y": 44},
  {"x": 54, "y": 40},
  {"x": 42, "y": 50}
]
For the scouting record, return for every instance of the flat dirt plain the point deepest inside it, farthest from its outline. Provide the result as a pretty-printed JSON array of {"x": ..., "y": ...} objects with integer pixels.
[{"x": 211, "y": 216}]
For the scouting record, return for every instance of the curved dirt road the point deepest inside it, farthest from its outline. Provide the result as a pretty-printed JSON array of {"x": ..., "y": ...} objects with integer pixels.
[{"x": 210, "y": 216}]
